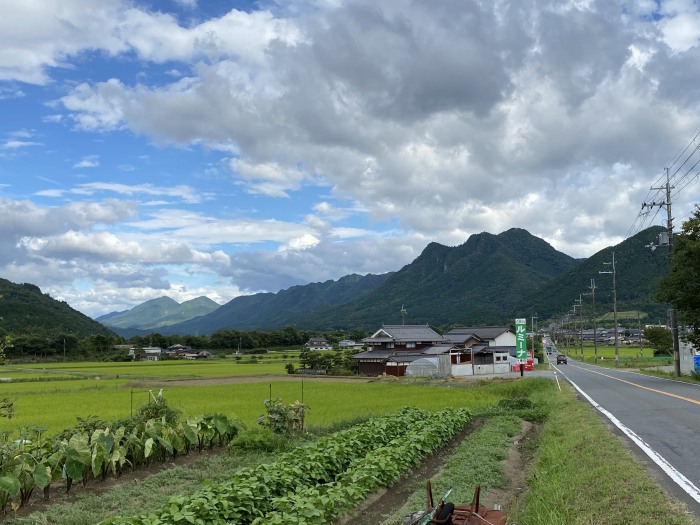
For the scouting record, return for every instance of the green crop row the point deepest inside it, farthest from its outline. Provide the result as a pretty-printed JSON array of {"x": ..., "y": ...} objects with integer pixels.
[
  {"x": 318, "y": 482},
  {"x": 27, "y": 465}
]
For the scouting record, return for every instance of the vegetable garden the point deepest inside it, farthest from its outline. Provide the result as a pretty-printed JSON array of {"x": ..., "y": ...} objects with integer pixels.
[{"x": 319, "y": 482}]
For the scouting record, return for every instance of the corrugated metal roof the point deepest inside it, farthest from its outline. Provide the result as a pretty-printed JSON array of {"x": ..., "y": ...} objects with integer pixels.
[
  {"x": 373, "y": 354},
  {"x": 437, "y": 349},
  {"x": 405, "y": 357}
]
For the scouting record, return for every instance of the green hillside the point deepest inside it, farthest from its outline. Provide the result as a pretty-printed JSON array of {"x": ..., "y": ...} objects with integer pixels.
[
  {"x": 477, "y": 282},
  {"x": 637, "y": 272},
  {"x": 25, "y": 309}
]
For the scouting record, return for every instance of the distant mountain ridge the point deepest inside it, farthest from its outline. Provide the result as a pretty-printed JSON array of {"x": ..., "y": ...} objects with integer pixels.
[
  {"x": 288, "y": 307},
  {"x": 157, "y": 313},
  {"x": 477, "y": 282}
]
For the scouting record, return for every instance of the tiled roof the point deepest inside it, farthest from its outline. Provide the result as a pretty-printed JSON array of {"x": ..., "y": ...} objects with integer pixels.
[
  {"x": 484, "y": 332},
  {"x": 459, "y": 337},
  {"x": 404, "y": 357},
  {"x": 408, "y": 332}
]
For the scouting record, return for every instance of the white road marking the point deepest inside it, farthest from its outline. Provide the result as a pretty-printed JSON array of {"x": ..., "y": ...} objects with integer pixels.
[{"x": 664, "y": 465}]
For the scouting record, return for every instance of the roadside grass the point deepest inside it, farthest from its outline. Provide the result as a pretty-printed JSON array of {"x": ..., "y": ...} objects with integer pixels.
[
  {"x": 694, "y": 379},
  {"x": 629, "y": 356},
  {"x": 584, "y": 475}
]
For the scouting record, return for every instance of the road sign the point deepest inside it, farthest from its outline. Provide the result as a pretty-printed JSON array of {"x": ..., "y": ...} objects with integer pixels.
[{"x": 521, "y": 340}]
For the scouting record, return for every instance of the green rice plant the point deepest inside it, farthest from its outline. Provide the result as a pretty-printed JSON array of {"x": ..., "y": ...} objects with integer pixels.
[
  {"x": 175, "y": 369},
  {"x": 330, "y": 402}
]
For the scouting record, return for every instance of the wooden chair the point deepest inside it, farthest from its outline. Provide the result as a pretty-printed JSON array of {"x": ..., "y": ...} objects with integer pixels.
[
  {"x": 472, "y": 514},
  {"x": 477, "y": 514}
]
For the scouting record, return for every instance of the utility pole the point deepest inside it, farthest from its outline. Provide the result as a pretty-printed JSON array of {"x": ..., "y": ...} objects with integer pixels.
[
  {"x": 595, "y": 333},
  {"x": 669, "y": 241},
  {"x": 580, "y": 316},
  {"x": 617, "y": 346},
  {"x": 580, "y": 334},
  {"x": 534, "y": 317}
]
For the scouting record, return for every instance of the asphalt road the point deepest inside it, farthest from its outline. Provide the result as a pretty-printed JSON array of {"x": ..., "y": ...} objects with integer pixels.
[{"x": 660, "y": 417}]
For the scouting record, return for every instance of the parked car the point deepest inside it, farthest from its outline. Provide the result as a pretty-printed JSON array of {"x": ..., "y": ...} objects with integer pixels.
[{"x": 561, "y": 359}]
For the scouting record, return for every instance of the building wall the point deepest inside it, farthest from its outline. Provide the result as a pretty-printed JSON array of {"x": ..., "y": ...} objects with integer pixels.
[
  {"x": 687, "y": 356},
  {"x": 505, "y": 339},
  {"x": 371, "y": 369},
  {"x": 462, "y": 370}
]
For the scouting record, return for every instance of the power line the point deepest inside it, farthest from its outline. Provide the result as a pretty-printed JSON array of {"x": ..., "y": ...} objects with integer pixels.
[{"x": 678, "y": 178}]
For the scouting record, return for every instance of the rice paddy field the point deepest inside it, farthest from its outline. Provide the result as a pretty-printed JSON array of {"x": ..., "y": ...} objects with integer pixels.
[{"x": 54, "y": 396}]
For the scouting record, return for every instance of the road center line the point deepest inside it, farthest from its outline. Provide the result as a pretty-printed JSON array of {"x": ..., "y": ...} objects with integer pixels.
[{"x": 689, "y": 400}]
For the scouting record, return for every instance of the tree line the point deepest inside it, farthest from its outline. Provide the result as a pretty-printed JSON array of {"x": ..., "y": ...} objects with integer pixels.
[{"x": 97, "y": 346}]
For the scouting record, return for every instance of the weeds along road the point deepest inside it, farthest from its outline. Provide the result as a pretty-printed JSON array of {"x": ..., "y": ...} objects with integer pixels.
[{"x": 660, "y": 416}]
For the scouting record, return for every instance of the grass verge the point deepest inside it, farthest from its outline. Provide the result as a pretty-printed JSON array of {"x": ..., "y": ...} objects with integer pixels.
[{"x": 584, "y": 475}]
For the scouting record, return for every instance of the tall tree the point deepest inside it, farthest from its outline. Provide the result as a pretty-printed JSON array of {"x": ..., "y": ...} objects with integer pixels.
[
  {"x": 681, "y": 287},
  {"x": 660, "y": 338}
]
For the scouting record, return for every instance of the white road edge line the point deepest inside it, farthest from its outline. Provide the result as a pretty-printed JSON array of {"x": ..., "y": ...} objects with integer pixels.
[{"x": 664, "y": 465}]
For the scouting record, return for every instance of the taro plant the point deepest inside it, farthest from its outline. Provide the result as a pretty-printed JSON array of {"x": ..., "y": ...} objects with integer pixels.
[
  {"x": 9, "y": 489},
  {"x": 78, "y": 459}
]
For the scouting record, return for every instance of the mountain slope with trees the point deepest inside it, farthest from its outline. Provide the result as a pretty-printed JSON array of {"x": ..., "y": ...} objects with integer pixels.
[
  {"x": 476, "y": 283},
  {"x": 490, "y": 279},
  {"x": 638, "y": 270},
  {"x": 24, "y": 309}
]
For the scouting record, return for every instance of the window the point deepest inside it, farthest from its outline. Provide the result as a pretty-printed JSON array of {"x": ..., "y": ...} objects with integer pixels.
[
  {"x": 390, "y": 345},
  {"x": 410, "y": 345}
]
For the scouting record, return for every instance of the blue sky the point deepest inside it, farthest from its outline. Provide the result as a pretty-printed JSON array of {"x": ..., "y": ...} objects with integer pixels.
[{"x": 188, "y": 148}]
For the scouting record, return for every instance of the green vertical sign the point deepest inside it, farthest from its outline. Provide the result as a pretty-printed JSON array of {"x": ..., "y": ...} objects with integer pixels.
[{"x": 521, "y": 339}]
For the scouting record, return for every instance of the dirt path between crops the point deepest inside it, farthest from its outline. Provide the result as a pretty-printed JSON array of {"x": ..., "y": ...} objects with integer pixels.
[{"x": 387, "y": 502}]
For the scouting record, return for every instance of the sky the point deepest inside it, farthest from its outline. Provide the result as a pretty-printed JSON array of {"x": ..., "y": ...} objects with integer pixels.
[{"x": 184, "y": 148}]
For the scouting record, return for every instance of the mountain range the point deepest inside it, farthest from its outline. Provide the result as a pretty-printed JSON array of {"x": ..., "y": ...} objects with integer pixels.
[{"x": 489, "y": 279}]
